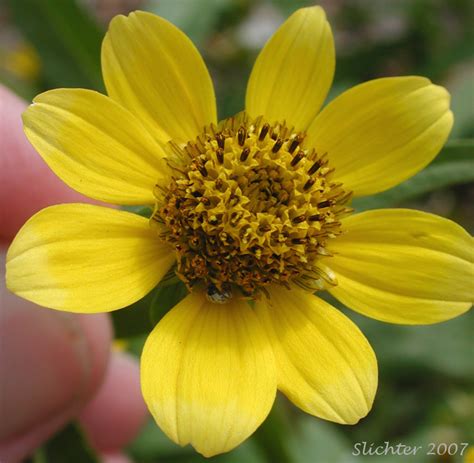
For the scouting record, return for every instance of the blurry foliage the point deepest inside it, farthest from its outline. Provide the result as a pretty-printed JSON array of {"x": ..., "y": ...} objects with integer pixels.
[
  {"x": 66, "y": 39},
  {"x": 426, "y": 391},
  {"x": 68, "y": 445}
]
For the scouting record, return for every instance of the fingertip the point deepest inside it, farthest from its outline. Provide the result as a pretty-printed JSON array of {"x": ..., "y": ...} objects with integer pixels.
[
  {"x": 117, "y": 412},
  {"x": 115, "y": 458},
  {"x": 51, "y": 363},
  {"x": 26, "y": 182},
  {"x": 98, "y": 336}
]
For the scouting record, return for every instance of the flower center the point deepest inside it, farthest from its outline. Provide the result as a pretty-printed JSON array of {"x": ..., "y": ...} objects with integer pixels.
[{"x": 249, "y": 207}]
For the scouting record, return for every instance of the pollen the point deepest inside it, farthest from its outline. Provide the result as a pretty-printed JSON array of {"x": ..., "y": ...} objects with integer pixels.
[{"x": 247, "y": 207}]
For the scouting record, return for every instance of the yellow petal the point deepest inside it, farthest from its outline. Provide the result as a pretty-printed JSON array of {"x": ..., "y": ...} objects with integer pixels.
[
  {"x": 382, "y": 132},
  {"x": 84, "y": 258},
  {"x": 293, "y": 72},
  {"x": 325, "y": 364},
  {"x": 403, "y": 266},
  {"x": 154, "y": 70},
  {"x": 95, "y": 146},
  {"x": 208, "y": 374}
]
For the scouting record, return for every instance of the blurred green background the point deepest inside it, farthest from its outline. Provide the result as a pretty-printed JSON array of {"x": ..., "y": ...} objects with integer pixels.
[{"x": 426, "y": 373}]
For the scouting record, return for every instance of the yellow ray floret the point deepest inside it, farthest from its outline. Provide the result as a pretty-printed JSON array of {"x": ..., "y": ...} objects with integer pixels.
[
  {"x": 84, "y": 258},
  {"x": 404, "y": 266},
  {"x": 208, "y": 374}
]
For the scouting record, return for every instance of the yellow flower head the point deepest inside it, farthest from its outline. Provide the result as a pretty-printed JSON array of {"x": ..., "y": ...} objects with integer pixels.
[{"x": 255, "y": 207}]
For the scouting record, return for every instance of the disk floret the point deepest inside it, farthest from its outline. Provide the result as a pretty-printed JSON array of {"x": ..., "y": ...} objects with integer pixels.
[{"x": 248, "y": 206}]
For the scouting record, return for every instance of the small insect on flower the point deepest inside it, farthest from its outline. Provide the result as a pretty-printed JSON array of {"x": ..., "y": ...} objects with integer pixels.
[
  {"x": 218, "y": 297},
  {"x": 252, "y": 213}
]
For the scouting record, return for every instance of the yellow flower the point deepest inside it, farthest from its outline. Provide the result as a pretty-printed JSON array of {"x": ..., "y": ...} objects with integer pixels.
[
  {"x": 469, "y": 456},
  {"x": 22, "y": 61},
  {"x": 254, "y": 207}
]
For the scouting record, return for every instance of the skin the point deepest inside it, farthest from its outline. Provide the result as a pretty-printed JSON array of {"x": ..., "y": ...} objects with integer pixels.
[{"x": 54, "y": 366}]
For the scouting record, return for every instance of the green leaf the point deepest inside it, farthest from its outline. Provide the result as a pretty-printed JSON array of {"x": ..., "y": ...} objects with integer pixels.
[
  {"x": 144, "y": 211},
  {"x": 456, "y": 150},
  {"x": 272, "y": 436},
  {"x": 444, "y": 347},
  {"x": 134, "y": 319},
  {"x": 24, "y": 89},
  {"x": 454, "y": 166},
  {"x": 152, "y": 445},
  {"x": 69, "y": 445},
  {"x": 196, "y": 18},
  {"x": 141, "y": 316},
  {"x": 289, "y": 6},
  {"x": 460, "y": 85},
  {"x": 165, "y": 298},
  {"x": 317, "y": 440},
  {"x": 66, "y": 38},
  {"x": 134, "y": 345}
]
